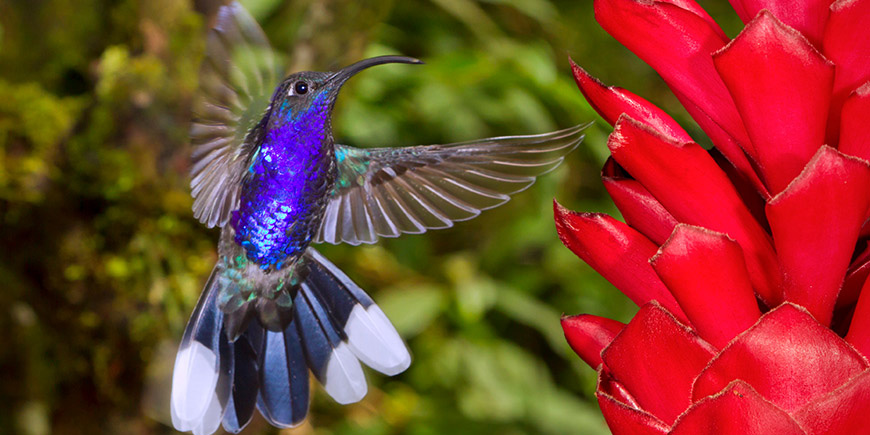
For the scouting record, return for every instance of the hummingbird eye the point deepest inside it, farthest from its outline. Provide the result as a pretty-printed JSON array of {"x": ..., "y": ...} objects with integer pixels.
[{"x": 300, "y": 88}]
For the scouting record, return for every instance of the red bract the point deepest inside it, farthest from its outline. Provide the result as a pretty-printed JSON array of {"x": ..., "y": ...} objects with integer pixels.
[{"x": 750, "y": 261}]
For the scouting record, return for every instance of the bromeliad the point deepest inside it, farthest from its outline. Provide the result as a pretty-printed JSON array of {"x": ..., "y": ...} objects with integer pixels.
[{"x": 749, "y": 261}]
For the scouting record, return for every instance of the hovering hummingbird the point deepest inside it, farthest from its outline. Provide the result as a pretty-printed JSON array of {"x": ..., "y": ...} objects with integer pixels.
[{"x": 269, "y": 173}]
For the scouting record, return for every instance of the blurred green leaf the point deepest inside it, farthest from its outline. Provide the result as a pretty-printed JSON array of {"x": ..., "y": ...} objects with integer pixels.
[
  {"x": 507, "y": 383},
  {"x": 259, "y": 9},
  {"x": 412, "y": 309},
  {"x": 529, "y": 311},
  {"x": 541, "y": 10}
]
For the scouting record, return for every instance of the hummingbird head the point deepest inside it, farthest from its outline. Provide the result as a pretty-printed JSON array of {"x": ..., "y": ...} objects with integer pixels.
[{"x": 308, "y": 91}]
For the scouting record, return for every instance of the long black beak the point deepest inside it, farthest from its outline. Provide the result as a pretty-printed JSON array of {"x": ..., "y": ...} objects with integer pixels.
[{"x": 347, "y": 72}]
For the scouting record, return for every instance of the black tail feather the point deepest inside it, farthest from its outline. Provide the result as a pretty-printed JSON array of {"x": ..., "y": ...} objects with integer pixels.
[
  {"x": 243, "y": 398},
  {"x": 283, "y": 379},
  {"x": 329, "y": 357}
]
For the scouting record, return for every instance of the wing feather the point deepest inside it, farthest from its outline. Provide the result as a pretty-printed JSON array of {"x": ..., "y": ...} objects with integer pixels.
[
  {"x": 384, "y": 192},
  {"x": 236, "y": 83}
]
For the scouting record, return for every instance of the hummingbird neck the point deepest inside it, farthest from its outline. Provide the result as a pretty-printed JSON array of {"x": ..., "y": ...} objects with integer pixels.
[{"x": 308, "y": 126}]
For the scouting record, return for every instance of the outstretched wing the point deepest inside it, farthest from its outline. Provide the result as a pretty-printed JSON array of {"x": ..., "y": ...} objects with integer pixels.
[
  {"x": 237, "y": 78},
  {"x": 384, "y": 192}
]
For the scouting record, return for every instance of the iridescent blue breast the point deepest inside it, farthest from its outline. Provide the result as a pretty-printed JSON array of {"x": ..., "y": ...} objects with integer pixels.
[{"x": 286, "y": 187}]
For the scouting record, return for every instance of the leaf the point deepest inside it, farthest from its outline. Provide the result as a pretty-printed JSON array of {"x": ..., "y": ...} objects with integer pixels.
[
  {"x": 529, "y": 311},
  {"x": 507, "y": 383},
  {"x": 412, "y": 308}
]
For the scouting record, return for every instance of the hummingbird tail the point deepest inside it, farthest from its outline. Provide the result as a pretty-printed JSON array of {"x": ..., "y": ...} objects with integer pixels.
[
  {"x": 334, "y": 326},
  {"x": 202, "y": 367}
]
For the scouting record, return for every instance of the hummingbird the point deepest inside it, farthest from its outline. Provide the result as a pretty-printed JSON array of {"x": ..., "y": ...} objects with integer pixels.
[{"x": 267, "y": 171}]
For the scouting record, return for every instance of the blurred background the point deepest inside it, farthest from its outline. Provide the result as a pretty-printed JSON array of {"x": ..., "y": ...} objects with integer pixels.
[{"x": 101, "y": 260}]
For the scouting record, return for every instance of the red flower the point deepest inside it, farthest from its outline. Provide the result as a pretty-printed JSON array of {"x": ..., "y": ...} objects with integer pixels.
[{"x": 749, "y": 261}]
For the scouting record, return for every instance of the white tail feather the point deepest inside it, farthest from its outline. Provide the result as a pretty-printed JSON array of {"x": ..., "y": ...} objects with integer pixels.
[
  {"x": 194, "y": 379},
  {"x": 374, "y": 340},
  {"x": 344, "y": 380}
]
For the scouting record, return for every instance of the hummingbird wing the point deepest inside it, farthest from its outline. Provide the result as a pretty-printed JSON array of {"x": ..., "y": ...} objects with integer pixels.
[
  {"x": 384, "y": 192},
  {"x": 237, "y": 79}
]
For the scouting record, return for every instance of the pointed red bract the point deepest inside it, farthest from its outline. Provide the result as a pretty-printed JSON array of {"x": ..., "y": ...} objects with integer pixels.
[
  {"x": 689, "y": 184},
  {"x": 706, "y": 273},
  {"x": 616, "y": 251},
  {"x": 741, "y": 10},
  {"x": 787, "y": 357},
  {"x": 639, "y": 208},
  {"x": 695, "y": 8},
  {"x": 815, "y": 262},
  {"x": 782, "y": 87},
  {"x": 621, "y": 412},
  {"x": 856, "y": 276},
  {"x": 727, "y": 145},
  {"x": 612, "y": 101},
  {"x": 854, "y": 132},
  {"x": 677, "y": 43},
  {"x": 661, "y": 381},
  {"x": 859, "y": 329},
  {"x": 852, "y": 286},
  {"x": 611, "y": 387},
  {"x": 588, "y": 335},
  {"x": 754, "y": 198},
  {"x": 807, "y": 16},
  {"x": 842, "y": 411},
  {"x": 737, "y": 409},
  {"x": 623, "y": 419},
  {"x": 846, "y": 45}
]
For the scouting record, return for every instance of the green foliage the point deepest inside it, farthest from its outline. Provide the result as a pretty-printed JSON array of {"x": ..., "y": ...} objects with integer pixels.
[
  {"x": 41, "y": 120},
  {"x": 102, "y": 261}
]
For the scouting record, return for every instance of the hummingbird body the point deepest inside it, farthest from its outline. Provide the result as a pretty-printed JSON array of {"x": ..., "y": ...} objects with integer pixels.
[
  {"x": 269, "y": 173},
  {"x": 286, "y": 189}
]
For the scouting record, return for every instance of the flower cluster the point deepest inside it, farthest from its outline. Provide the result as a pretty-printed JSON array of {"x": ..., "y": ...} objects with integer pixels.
[{"x": 749, "y": 261}]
